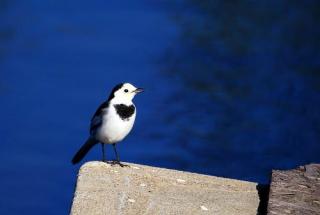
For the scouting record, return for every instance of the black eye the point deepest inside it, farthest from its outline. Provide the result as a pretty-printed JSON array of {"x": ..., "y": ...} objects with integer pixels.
[{"x": 126, "y": 90}]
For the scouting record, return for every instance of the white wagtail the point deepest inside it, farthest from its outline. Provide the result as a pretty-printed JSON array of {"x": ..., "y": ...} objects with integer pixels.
[{"x": 112, "y": 121}]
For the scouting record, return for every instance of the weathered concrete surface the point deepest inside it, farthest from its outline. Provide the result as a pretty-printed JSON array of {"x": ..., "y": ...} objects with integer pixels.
[
  {"x": 105, "y": 189},
  {"x": 295, "y": 191}
]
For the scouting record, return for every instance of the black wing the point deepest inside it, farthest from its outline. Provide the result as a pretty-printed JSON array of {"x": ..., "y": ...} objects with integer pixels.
[{"x": 96, "y": 119}]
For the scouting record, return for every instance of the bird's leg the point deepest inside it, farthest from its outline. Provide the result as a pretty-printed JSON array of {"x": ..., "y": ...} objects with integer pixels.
[
  {"x": 103, "y": 153},
  {"x": 118, "y": 159}
]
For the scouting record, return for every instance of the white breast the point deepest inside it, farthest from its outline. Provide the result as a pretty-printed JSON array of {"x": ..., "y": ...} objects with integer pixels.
[{"x": 113, "y": 128}]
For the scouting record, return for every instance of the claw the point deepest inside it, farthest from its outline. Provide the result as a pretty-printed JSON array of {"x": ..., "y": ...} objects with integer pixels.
[
  {"x": 123, "y": 165},
  {"x": 119, "y": 163}
]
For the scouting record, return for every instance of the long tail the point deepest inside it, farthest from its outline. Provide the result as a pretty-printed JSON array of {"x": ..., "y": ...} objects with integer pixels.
[{"x": 84, "y": 150}]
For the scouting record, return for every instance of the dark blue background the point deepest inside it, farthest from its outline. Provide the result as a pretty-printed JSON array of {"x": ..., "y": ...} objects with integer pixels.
[{"x": 232, "y": 89}]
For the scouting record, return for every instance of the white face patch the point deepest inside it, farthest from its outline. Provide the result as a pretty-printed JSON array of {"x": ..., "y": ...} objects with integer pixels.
[{"x": 125, "y": 94}]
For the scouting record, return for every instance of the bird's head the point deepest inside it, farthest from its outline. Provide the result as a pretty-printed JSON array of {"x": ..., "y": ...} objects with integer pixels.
[{"x": 124, "y": 93}]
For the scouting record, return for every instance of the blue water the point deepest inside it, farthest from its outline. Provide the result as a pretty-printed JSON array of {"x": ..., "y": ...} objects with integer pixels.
[{"x": 218, "y": 101}]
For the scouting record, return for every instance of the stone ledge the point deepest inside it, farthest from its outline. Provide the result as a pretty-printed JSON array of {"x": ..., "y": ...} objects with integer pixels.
[
  {"x": 295, "y": 191},
  {"x": 138, "y": 189}
]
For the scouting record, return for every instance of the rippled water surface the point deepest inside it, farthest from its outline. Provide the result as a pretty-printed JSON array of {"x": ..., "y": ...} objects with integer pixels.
[{"x": 231, "y": 90}]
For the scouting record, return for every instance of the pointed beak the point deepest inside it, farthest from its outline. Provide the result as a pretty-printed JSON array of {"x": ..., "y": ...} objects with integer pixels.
[{"x": 138, "y": 90}]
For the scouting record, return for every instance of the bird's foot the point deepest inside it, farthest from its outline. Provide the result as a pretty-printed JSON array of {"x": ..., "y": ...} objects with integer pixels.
[{"x": 118, "y": 163}]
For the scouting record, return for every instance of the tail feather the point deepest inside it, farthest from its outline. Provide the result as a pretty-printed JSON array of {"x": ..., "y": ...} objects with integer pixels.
[{"x": 84, "y": 150}]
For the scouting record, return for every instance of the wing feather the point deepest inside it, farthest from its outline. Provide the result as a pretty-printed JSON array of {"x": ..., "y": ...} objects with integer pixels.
[{"x": 96, "y": 119}]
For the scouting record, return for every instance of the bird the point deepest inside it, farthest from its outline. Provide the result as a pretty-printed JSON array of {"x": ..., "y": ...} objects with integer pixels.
[{"x": 112, "y": 121}]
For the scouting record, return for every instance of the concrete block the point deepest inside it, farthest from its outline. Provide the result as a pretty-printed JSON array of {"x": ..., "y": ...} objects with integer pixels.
[{"x": 138, "y": 189}]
